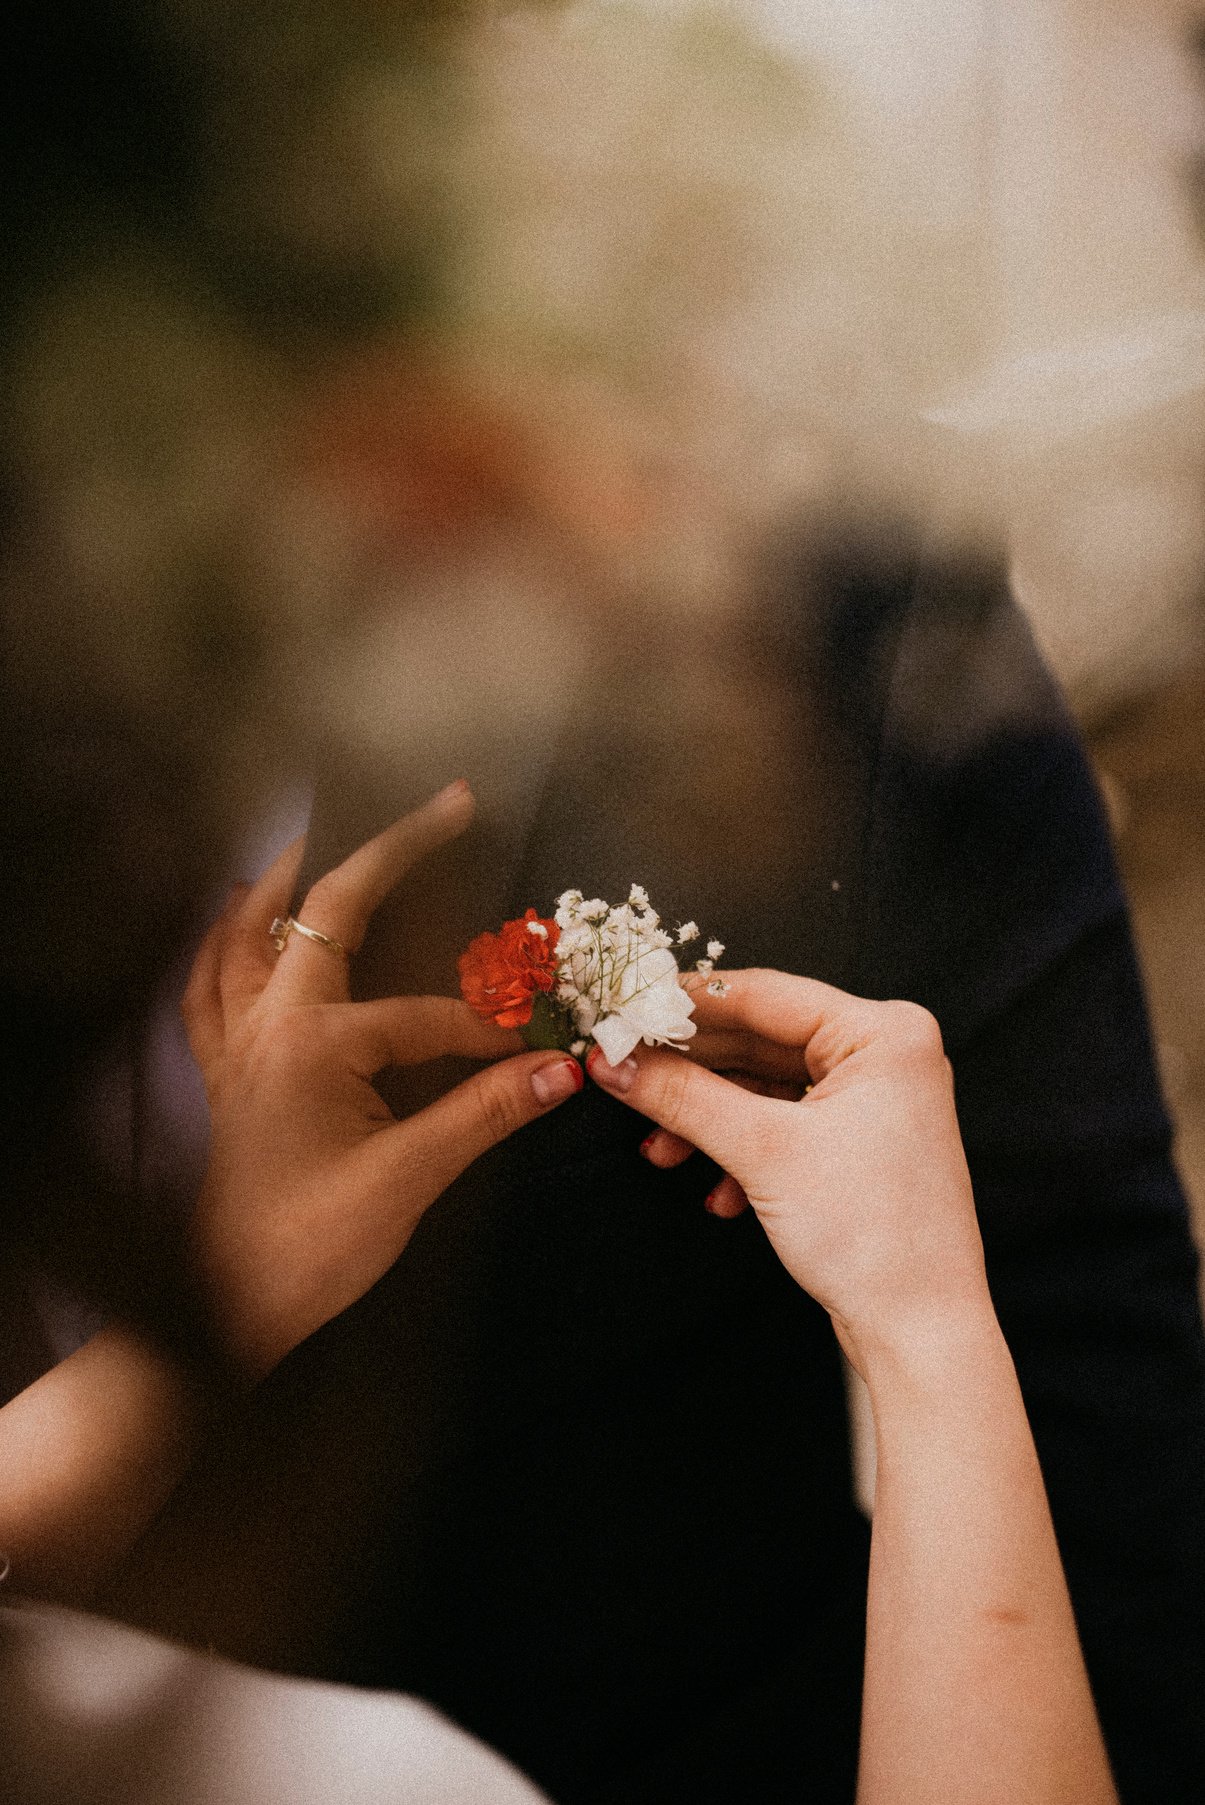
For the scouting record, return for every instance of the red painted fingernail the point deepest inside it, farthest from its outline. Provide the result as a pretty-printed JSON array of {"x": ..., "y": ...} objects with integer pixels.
[
  {"x": 647, "y": 1142},
  {"x": 553, "y": 1083},
  {"x": 709, "y": 1201}
]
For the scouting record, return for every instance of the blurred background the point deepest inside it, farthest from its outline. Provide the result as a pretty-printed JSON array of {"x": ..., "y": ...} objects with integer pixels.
[{"x": 338, "y": 327}]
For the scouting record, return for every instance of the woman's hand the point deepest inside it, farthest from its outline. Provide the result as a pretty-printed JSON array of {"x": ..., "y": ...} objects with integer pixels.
[
  {"x": 313, "y": 1188},
  {"x": 975, "y": 1688},
  {"x": 861, "y": 1185}
]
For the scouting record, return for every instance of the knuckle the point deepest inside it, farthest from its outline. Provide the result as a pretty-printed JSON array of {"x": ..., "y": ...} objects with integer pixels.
[
  {"x": 500, "y": 1113},
  {"x": 915, "y": 1031},
  {"x": 672, "y": 1090},
  {"x": 328, "y": 898}
]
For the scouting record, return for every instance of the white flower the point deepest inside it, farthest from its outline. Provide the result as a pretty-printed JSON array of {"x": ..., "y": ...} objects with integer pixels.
[
  {"x": 715, "y": 949},
  {"x": 574, "y": 934},
  {"x": 577, "y": 1048},
  {"x": 706, "y": 966},
  {"x": 618, "y": 976},
  {"x": 643, "y": 1000},
  {"x": 537, "y": 928},
  {"x": 688, "y": 931},
  {"x": 717, "y": 988}
]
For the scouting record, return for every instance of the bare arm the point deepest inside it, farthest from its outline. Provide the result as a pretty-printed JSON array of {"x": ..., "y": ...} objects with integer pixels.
[
  {"x": 88, "y": 1454},
  {"x": 975, "y": 1685},
  {"x": 313, "y": 1191},
  {"x": 976, "y": 1692}
]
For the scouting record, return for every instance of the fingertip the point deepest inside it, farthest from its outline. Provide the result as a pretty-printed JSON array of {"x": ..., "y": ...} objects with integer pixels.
[
  {"x": 665, "y": 1150},
  {"x": 556, "y": 1081},
  {"x": 615, "y": 1078},
  {"x": 442, "y": 817},
  {"x": 727, "y": 1200},
  {"x": 456, "y": 798}
]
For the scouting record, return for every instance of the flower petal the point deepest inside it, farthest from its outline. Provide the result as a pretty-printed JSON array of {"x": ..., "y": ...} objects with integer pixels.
[{"x": 617, "y": 1036}]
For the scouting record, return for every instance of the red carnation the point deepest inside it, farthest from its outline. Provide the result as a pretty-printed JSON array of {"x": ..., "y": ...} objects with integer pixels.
[{"x": 501, "y": 973}]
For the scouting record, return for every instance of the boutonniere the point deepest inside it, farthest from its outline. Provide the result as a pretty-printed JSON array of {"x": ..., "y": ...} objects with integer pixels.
[{"x": 590, "y": 973}]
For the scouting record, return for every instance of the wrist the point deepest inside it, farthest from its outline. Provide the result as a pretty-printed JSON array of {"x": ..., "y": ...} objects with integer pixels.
[{"x": 925, "y": 1355}]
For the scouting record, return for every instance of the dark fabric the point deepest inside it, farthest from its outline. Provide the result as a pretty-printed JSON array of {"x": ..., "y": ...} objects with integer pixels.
[
  {"x": 25, "y": 1351},
  {"x": 577, "y": 1470}
]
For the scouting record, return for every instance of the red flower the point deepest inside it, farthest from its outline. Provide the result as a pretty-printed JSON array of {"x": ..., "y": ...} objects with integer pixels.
[{"x": 501, "y": 973}]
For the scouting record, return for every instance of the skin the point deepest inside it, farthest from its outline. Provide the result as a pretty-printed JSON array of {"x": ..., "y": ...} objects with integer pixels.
[
  {"x": 975, "y": 1686},
  {"x": 976, "y": 1692},
  {"x": 312, "y": 1192}
]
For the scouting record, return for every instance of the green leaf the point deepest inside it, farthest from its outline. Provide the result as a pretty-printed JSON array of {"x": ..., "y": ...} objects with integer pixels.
[{"x": 551, "y": 1026}]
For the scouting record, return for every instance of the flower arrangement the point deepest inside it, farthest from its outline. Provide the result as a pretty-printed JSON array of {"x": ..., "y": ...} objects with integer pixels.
[{"x": 590, "y": 973}]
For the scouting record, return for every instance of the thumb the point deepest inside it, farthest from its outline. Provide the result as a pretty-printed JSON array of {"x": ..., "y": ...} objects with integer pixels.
[
  {"x": 442, "y": 1140},
  {"x": 724, "y": 1120}
]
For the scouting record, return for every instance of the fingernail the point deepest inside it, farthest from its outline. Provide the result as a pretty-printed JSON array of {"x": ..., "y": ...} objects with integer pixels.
[
  {"x": 618, "y": 1078},
  {"x": 553, "y": 1083},
  {"x": 709, "y": 1203},
  {"x": 451, "y": 791},
  {"x": 647, "y": 1143}
]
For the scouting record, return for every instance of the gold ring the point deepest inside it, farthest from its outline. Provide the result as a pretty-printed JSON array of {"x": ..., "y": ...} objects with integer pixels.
[{"x": 282, "y": 927}]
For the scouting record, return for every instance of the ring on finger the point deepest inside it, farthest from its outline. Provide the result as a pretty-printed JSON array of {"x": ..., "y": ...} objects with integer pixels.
[{"x": 283, "y": 926}]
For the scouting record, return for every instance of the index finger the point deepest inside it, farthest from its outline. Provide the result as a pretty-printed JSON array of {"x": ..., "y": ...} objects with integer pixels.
[
  {"x": 341, "y": 904},
  {"x": 824, "y": 1022}
]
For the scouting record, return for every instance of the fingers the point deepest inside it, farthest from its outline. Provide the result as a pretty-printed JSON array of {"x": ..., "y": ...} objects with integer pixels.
[
  {"x": 341, "y": 904},
  {"x": 728, "y": 1199},
  {"x": 826, "y": 1024},
  {"x": 201, "y": 1003},
  {"x": 435, "y": 1146},
  {"x": 775, "y": 1004},
  {"x": 741, "y": 1050},
  {"x": 248, "y": 956},
  {"x": 667, "y": 1150},
  {"x": 409, "y": 1030},
  {"x": 712, "y": 1113}
]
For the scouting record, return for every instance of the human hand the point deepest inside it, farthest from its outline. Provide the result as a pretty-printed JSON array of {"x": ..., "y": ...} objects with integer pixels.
[
  {"x": 862, "y": 1184},
  {"x": 313, "y": 1188}
]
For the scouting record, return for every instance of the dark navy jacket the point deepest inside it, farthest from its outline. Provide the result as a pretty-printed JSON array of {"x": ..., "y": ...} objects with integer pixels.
[{"x": 578, "y": 1468}]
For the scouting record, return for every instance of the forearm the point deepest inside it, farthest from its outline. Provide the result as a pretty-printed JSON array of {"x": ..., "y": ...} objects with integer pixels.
[
  {"x": 975, "y": 1685},
  {"x": 88, "y": 1455}
]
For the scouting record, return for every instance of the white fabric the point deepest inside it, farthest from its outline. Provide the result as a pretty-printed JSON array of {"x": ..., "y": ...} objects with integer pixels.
[{"x": 92, "y": 1712}]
